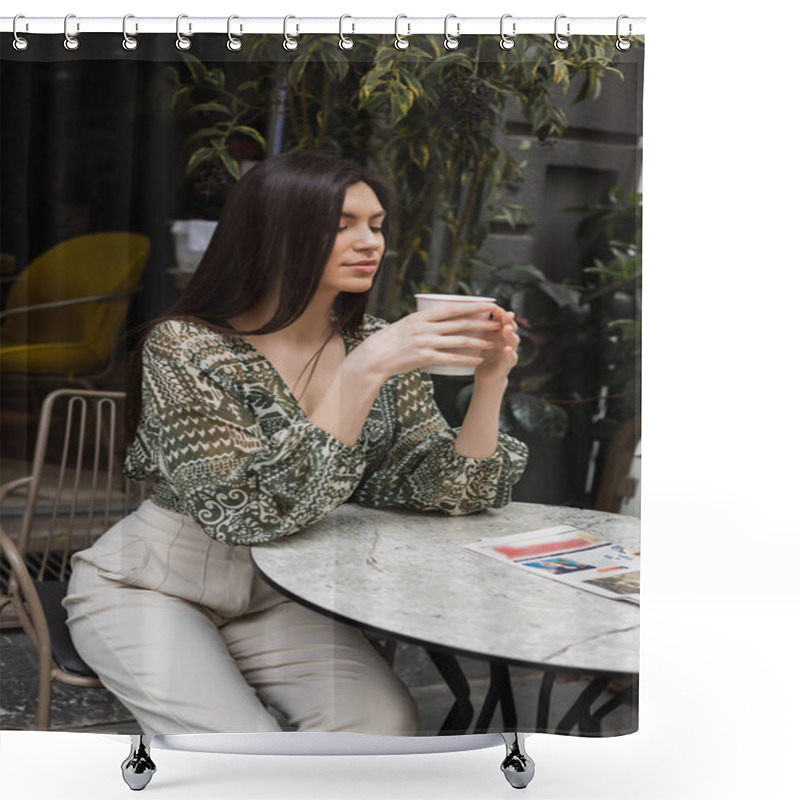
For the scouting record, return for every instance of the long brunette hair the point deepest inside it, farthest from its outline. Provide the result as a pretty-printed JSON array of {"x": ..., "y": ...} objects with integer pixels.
[{"x": 277, "y": 230}]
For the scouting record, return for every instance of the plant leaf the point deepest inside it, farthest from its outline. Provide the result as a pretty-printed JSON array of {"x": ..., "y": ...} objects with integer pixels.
[
  {"x": 563, "y": 295},
  {"x": 527, "y": 409},
  {"x": 204, "y": 133},
  {"x": 213, "y": 107},
  {"x": 198, "y": 157},
  {"x": 520, "y": 273},
  {"x": 196, "y": 67},
  {"x": 252, "y": 133},
  {"x": 230, "y": 164}
]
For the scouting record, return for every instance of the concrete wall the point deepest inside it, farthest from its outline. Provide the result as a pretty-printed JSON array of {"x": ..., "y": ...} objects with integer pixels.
[{"x": 601, "y": 148}]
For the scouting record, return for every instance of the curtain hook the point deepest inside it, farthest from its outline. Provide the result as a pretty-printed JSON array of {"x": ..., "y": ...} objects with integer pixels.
[
  {"x": 288, "y": 42},
  {"x": 129, "y": 42},
  {"x": 182, "y": 42},
  {"x": 560, "y": 42},
  {"x": 451, "y": 42},
  {"x": 622, "y": 43},
  {"x": 506, "y": 41},
  {"x": 71, "y": 42},
  {"x": 401, "y": 42},
  {"x": 345, "y": 42},
  {"x": 20, "y": 42},
  {"x": 234, "y": 44}
]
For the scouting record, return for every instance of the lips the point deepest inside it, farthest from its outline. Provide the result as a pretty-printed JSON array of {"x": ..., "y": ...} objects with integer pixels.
[{"x": 363, "y": 267}]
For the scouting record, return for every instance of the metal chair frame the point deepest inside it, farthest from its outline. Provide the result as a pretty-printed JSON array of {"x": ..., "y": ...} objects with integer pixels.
[{"x": 85, "y": 502}]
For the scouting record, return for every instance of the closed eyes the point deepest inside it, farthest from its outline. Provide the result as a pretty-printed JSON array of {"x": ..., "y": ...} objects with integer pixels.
[{"x": 343, "y": 228}]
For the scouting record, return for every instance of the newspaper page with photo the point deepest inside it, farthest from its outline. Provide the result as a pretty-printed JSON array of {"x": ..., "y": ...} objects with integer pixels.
[{"x": 571, "y": 556}]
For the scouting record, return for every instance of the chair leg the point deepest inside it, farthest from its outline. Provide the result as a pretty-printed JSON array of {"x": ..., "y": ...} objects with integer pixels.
[
  {"x": 45, "y": 688},
  {"x": 517, "y": 766},
  {"x": 43, "y": 710},
  {"x": 138, "y": 768}
]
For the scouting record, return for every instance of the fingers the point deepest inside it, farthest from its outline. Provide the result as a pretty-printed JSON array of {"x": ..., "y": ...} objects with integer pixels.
[
  {"x": 496, "y": 324},
  {"x": 458, "y": 342},
  {"x": 468, "y": 324},
  {"x": 510, "y": 335}
]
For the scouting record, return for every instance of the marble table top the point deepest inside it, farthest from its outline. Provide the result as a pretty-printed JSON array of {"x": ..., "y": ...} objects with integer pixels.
[{"x": 406, "y": 574}]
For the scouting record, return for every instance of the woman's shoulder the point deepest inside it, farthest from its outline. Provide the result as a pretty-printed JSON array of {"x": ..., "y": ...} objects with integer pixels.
[{"x": 182, "y": 339}]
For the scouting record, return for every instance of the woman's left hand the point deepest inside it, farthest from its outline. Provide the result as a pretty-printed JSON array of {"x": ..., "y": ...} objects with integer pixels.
[{"x": 502, "y": 358}]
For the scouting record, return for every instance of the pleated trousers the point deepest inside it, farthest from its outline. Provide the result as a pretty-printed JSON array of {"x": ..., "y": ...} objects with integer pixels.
[{"x": 188, "y": 636}]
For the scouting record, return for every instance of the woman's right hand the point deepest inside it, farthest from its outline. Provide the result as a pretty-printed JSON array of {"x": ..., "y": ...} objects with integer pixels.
[{"x": 423, "y": 338}]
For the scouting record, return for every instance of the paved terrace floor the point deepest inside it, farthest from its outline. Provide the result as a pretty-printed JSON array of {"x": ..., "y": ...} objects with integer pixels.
[{"x": 96, "y": 710}]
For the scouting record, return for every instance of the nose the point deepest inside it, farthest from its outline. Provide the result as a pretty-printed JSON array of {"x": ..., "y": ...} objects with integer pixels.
[{"x": 368, "y": 240}]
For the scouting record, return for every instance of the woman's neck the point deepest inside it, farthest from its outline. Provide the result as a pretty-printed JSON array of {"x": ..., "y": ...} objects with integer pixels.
[{"x": 311, "y": 329}]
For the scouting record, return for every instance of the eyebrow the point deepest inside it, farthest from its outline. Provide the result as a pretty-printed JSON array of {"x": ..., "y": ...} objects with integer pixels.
[{"x": 348, "y": 215}]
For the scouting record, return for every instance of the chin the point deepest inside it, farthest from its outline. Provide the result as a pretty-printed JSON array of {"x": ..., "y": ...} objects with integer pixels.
[{"x": 357, "y": 286}]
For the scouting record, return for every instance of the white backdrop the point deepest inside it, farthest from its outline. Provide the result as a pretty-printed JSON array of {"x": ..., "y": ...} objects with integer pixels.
[{"x": 720, "y": 610}]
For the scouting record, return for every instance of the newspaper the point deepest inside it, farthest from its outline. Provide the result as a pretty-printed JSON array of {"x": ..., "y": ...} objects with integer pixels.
[{"x": 570, "y": 556}]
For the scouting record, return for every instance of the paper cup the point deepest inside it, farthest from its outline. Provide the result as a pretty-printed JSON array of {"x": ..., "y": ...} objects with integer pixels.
[{"x": 425, "y": 301}]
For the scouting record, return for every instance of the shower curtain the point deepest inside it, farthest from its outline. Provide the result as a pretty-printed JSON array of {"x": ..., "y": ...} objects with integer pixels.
[{"x": 517, "y": 173}]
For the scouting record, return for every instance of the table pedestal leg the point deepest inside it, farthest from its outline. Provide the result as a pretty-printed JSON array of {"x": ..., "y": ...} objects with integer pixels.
[
  {"x": 499, "y": 691},
  {"x": 460, "y": 715},
  {"x": 629, "y": 693},
  {"x": 545, "y": 694},
  {"x": 580, "y": 714}
]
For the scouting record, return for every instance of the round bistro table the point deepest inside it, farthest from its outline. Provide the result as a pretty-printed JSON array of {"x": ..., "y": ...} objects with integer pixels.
[{"x": 406, "y": 575}]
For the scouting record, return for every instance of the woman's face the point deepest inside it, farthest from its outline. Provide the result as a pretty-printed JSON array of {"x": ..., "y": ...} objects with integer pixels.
[{"x": 359, "y": 242}]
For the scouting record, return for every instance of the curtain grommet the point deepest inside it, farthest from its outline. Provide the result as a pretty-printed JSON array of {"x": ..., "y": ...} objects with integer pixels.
[
  {"x": 289, "y": 43},
  {"x": 129, "y": 42},
  {"x": 451, "y": 42},
  {"x": 20, "y": 42},
  {"x": 345, "y": 42},
  {"x": 233, "y": 44},
  {"x": 182, "y": 42},
  {"x": 623, "y": 44},
  {"x": 71, "y": 42},
  {"x": 561, "y": 43},
  {"x": 401, "y": 42},
  {"x": 506, "y": 40}
]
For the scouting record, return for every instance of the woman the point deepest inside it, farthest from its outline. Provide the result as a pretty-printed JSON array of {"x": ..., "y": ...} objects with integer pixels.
[{"x": 262, "y": 401}]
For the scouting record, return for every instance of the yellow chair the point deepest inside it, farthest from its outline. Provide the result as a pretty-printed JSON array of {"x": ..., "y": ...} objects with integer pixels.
[{"x": 65, "y": 310}]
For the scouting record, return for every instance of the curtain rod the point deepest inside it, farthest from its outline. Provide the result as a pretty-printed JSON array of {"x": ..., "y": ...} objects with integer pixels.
[{"x": 297, "y": 25}]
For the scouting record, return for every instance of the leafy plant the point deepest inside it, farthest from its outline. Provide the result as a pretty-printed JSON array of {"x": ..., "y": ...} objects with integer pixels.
[
  {"x": 596, "y": 324},
  {"x": 428, "y": 118}
]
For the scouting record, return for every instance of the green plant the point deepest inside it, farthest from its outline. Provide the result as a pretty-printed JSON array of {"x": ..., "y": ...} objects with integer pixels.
[
  {"x": 428, "y": 118},
  {"x": 613, "y": 286},
  {"x": 595, "y": 324}
]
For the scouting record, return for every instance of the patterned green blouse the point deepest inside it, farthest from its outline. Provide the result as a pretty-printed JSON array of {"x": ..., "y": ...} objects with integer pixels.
[{"x": 224, "y": 440}]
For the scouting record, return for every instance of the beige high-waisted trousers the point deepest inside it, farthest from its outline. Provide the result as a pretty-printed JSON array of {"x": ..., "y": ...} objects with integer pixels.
[{"x": 185, "y": 633}]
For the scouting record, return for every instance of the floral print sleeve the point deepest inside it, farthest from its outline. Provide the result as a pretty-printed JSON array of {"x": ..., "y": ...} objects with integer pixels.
[
  {"x": 422, "y": 469},
  {"x": 211, "y": 457}
]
